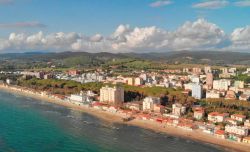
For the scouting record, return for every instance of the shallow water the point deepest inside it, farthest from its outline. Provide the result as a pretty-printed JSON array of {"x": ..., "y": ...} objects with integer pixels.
[{"x": 30, "y": 126}]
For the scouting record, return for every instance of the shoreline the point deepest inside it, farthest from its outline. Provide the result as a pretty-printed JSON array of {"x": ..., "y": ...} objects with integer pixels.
[{"x": 195, "y": 135}]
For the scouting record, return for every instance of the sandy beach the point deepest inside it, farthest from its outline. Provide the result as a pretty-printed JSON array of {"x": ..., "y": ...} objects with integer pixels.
[{"x": 170, "y": 130}]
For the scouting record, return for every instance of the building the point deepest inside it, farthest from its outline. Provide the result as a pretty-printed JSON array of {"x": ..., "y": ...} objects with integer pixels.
[
  {"x": 237, "y": 130},
  {"x": 198, "y": 113},
  {"x": 39, "y": 75},
  {"x": 73, "y": 72},
  {"x": 224, "y": 70},
  {"x": 238, "y": 117},
  {"x": 239, "y": 84},
  {"x": 9, "y": 81},
  {"x": 197, "y": 91},
  {"x": 178, "y": 109},
  {"x": 230, "y": 95},
  {"x": 209, "y": 80},
  {"x": 81, "y": 98},
  {"x": 247, "y": 124},
  {"x": 149, "y": 103},
  {"x": 217, "y": 117},
  {"x": 207, "y": 69},
  {"x": 212, "y": 94},
  {"x": 221, "y": 85},
  {"x": 246, "y": 140},
  {"x": 134, "y": 105},
  {"x": 138, "y": 81},
  {"x": 196, "y": 70},
  {"x": 244, "y": 97},
  {"x": 112, "y": 96},
  {"x": 130, "y": 81}
]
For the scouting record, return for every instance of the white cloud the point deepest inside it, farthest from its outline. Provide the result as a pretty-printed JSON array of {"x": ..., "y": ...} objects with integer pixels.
[
  {"x": 241, "y": 39},
  {"x": 197, "y": 35},
  {"x": 211, "y": 4},
  {"x": 243, "y": 3},
  {"x": 160, "y": 3}
]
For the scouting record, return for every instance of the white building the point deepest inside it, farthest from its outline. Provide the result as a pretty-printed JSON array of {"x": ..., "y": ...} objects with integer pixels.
[
  {"x": 197, "y": 91},
  {"x": 217, "y": 117},
  {"x": 138, "y": 81},
  {"x": 221, "y": 84},
  {"x": 149, "y": 102},
  {"x": 207, "y": 69},
  {"x": 113, "y": 96},
  {"x": 238, "y": 130},
  {"x": 178, "y": 109}
]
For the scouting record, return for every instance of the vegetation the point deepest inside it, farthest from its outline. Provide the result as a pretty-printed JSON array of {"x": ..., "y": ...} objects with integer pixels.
[
  {"x": 228, "y": 106},
  {"x": 243, "y": 77}
]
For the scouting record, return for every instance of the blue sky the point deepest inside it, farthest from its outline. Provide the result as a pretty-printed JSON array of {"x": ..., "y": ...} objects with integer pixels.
[
  {"x": 103, "y": 16},
  {"x": 90, "y": 17}
]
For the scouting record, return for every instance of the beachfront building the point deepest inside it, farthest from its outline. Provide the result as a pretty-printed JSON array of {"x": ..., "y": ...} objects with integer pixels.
[
  {"x": 112, "y": 95},
  {"x": 217, "y": 117},
  {"x": 237, "y": 130},
  {"x": 178, "y": 109},
  {"x": 247, "y": 124},
  {"x": 199, "y": 113},
  {"x": 197, "y": 91},
  {"x": 246, "y": 140},
  {"x": 149, "y": 103}
]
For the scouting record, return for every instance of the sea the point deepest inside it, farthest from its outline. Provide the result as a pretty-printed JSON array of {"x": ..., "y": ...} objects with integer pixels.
[{"x": 29, "y": 125}]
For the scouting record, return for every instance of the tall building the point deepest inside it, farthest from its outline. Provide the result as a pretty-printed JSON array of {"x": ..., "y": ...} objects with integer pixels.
[
  {"x": 112, "y": 96},
  {"x": 209, "y": 80},
  {"x": 149, "y": 103},
  {"x": 197, "y": 91},
  {"x": 178, "y": 109}
]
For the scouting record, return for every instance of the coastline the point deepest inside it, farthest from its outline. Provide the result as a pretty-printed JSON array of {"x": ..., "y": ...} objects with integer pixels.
[{"x": 195, "y": 135}]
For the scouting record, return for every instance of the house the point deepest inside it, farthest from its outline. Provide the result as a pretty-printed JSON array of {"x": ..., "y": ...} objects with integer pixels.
[
  {"x": 220, "y": 134},
  {"x": 247, "y": 124},
  {"x": 244, "y": 97},
  {"x": 238, "y": 117},
  {"x": 246, "y": 140},
  {"x": 198, "y": 113},
  {"x": 217, "y": 117},
  {"x": 235, "y": 137},
  {"x": 237, "y": 130}
]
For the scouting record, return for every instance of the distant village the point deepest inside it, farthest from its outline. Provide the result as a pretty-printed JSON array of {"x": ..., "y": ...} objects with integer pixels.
[{"x": 199, "y": 83}]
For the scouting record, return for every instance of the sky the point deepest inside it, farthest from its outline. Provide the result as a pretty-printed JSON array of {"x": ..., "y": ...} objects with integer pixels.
[{"x": 124, "y": 25}]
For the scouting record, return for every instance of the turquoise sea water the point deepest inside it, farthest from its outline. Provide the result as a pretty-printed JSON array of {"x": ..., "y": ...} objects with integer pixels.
[{"x": 27, "y": 125}]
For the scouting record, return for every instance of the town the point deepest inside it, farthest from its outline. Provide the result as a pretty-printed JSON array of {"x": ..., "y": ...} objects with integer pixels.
[{"x": 214, "y": 101}]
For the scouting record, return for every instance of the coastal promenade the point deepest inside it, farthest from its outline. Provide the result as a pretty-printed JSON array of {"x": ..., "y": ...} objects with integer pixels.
[{"x": 117, "y": 118}]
